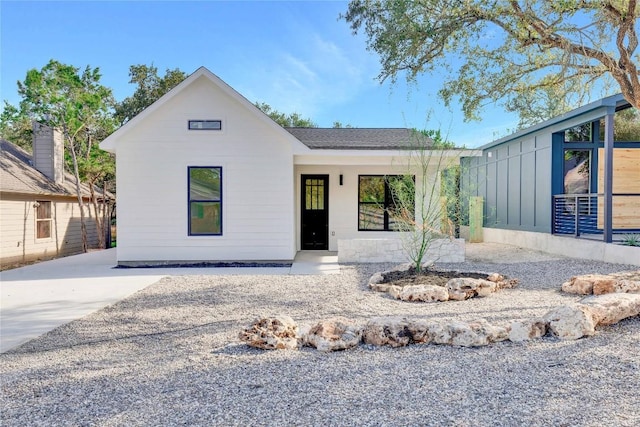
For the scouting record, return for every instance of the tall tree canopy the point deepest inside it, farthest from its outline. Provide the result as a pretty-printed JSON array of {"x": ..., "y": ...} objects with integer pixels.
[
  {"x": 78, "y": 105},
  {"x": 150, "y": 87},
  {"x": 505, "y": 50}
]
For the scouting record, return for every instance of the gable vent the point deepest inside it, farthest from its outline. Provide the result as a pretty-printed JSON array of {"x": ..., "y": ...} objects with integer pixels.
[{"x": 205, "y": 124}]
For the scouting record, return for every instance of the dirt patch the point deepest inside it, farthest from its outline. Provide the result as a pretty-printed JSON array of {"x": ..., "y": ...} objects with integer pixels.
[{"x": 427, "y": 277}]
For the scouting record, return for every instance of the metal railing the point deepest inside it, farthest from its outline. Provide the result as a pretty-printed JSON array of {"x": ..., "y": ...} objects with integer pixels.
[{"x": 583, "y": 214}]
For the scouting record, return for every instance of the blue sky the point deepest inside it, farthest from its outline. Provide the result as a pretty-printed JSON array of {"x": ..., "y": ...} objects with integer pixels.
[{"x": 295, "y": 56}]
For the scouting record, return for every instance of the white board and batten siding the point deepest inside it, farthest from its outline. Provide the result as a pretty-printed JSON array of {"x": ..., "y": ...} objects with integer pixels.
[{"x": 153, "y": 158}]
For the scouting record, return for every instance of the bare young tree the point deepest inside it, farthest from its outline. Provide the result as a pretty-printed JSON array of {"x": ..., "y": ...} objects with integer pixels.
[{"x": 422, "y": 198}]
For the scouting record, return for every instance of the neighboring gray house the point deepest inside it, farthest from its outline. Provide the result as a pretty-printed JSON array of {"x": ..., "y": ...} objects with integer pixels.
[
  {"x": 39, "y": 213},
  {"x": 554, "y": 178}
]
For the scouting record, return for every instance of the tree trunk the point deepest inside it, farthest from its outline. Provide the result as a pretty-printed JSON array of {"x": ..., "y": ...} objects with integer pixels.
[
  {"x": 106, "y": 223},
  {"x": 96, "y": 215},
  {"x": 83, "y": 225}
]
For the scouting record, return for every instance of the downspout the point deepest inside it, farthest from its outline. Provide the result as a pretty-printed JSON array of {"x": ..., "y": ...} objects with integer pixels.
[{"x": 608, "y": 175}]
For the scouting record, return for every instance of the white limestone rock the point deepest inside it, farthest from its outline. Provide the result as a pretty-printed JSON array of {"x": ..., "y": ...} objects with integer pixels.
[
  {"x": 600, "y": 284},
  {"x": 463, "y": 288},
  {"x": 487, "y": 332},
  {"x": 423, "y": 293},
  {"x": 571, "y": 322},
  {"x": 472, "y": 334},
  {"x": 527, "y": 329},
  {"x": 420, "y": 330},
  {"x": 380, "y": 287},
  {"x": 617, "y": 286},
  {"x": 271, "y": 333},
  {"x": 628, "y": 286},
  {"x": 578, "y": 285},
  {"x": 612, "y": 308},
  {"x": 495, "y": 277},
  {"x": 439, "y": 333},
  {"x": 334, "y": 334},
  {"x": 376, "y": 279},
  {"x": 391, "y": 331},
  {"x": 394, "y": 291},
  {"x": 584, "y": 285}
]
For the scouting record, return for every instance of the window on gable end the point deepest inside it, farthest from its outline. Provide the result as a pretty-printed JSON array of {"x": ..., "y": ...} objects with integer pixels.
[{"x": 205, "y": 200}]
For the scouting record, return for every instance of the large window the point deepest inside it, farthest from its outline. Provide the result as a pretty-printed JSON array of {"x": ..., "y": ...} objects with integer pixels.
[
  {"x": 43, "y": 220},
  {"x": 581, "y": 133},
  {"x": 379, "y": 204},
  {"x": 205, "y": 201},
  {"x": 577, "y": 171}
]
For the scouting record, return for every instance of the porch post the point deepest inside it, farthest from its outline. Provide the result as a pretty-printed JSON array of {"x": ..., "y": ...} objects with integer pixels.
[{"x": 608, "y": 175}]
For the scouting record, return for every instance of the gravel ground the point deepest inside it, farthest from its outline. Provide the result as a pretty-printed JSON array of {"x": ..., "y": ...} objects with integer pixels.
[{"x": 169, "y": 355}]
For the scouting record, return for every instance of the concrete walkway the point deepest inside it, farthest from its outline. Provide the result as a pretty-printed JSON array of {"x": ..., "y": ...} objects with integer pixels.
[{"x": 38, "y": 298}]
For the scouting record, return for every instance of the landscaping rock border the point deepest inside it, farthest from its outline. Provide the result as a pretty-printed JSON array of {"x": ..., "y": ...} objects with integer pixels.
[
  {"x": 566, "y": 322},
  {"x": 456, "y": 289},
  {"x": 600, "y": 284}
]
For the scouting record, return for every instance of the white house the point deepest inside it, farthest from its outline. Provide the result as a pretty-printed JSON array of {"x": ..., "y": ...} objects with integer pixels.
[{"x": 205, "y": 176}]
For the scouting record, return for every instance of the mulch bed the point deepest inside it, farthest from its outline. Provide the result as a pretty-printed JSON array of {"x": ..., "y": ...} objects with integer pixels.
[{"x": 427, "y": 277}]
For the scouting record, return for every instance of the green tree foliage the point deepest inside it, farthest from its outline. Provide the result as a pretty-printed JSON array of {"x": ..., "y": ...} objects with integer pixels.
[
  {"x": 150, "y": 87},
  {"x": 546, "y": 103},
  {"x": 339, "y": 125},
  {"x": 626, "y": 126},
  {"x": 437, "y": 139},
  {"x": 505, "y": 50},
  {"x": 285, "y": 120},
  {"x": 15, "y": 126},
  {"x": 74, "y": 102}
]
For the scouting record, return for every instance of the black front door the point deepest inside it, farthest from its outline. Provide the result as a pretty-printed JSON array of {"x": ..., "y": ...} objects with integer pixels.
[{"x": 315, "y": 212}]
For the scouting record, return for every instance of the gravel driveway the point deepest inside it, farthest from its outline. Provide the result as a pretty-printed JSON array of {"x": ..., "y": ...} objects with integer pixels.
[{"x": 169, "y": 355}]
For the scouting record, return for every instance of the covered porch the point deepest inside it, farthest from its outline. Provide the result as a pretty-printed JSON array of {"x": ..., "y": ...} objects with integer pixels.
[{"x": 598, "y": 194}]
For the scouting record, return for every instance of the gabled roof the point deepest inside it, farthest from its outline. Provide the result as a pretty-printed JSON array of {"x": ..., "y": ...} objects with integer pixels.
[
  {"x": 109, "y": 143},
  {"x": 359, "y": 138},
  {"x": 17, "y": 175}
]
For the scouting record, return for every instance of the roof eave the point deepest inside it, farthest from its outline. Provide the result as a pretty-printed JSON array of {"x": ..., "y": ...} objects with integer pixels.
[{"x": 615, "y": 101}]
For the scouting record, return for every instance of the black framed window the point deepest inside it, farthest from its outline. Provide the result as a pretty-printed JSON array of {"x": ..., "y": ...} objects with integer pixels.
[
  {"x": 377, "y": 208},
  {"x": 205, "y": 124},
  {"x": 205, "y": 200},
  {"x": 314, "y": 194}
]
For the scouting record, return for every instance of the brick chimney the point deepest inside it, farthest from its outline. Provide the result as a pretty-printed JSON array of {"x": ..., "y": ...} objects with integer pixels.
[{"x": 48, "y": 152}]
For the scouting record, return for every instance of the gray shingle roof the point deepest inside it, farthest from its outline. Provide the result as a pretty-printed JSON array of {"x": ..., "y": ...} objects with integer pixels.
[
  {"x": 17, "y": 175},
  {"x": 358, "y": 138}
]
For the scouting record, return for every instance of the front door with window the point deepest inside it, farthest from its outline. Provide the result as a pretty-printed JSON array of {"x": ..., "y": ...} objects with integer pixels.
[{"x": 315, "y": 212}]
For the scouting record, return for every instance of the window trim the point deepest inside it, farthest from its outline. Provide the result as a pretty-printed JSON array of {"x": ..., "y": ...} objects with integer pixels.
[
  {"x": 388, "y": 202},
  {"x": 190, "y": 201},
  {"x": 38, "y": 220}
]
